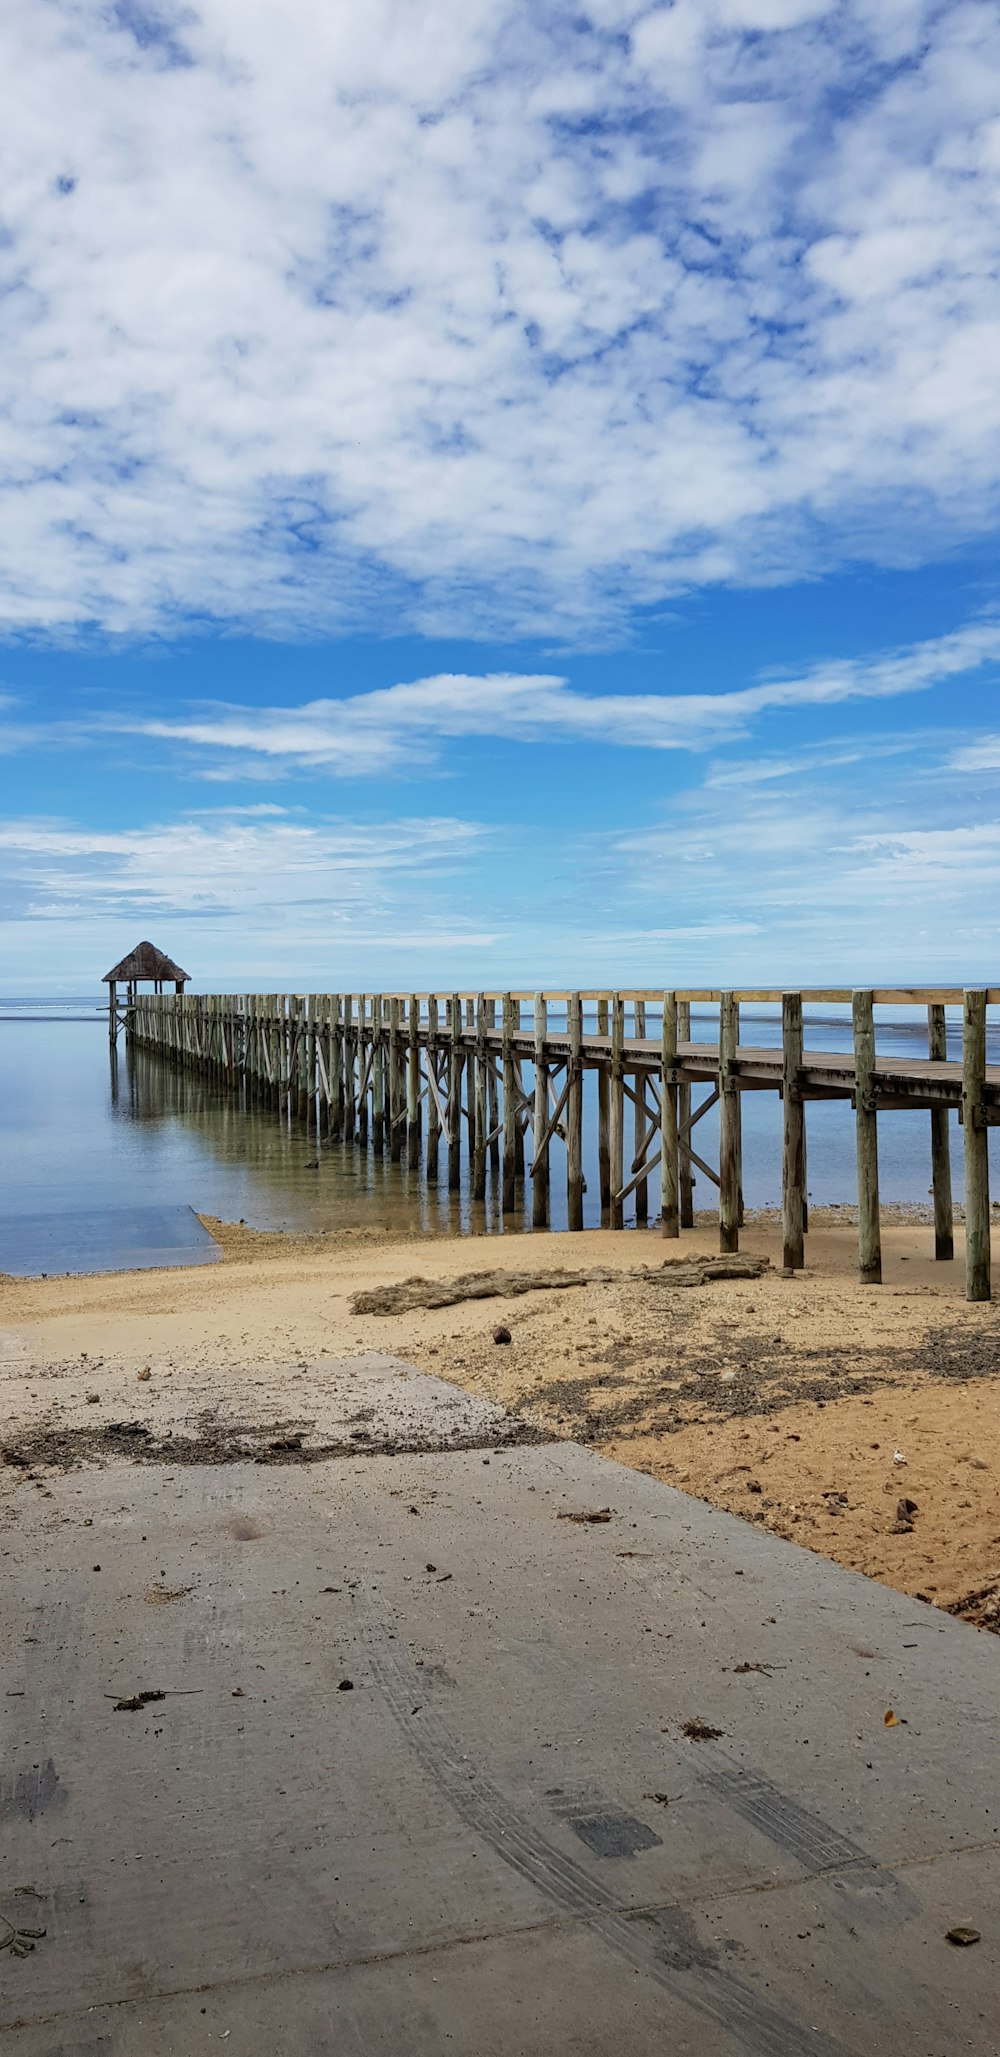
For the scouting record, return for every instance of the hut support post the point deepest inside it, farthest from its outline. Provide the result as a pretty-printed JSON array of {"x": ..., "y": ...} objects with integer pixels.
[
  {"x": 944, "y": 1226},
  {"x": 378, "y": 1074},
  {"x": 413, "y": 1085},
  {"x": 685, "y": 1168},
  {"x": 869, "y": 1230},
  {"x": 604, "y": 1117},
  {"x": 976, "y": 1138},
  {"x": 433, "y": 1117},
  {"x": 640, "y": 1118},
  {"x": 793, "y": 1151},
  {"x": 729, "y": 1126},
  {"x": 511, "y": 1109},
  {"x": 617, "y": 1125},
  {"x": 455, "y": 1094},
  {"x": 481, "y": 1062}
]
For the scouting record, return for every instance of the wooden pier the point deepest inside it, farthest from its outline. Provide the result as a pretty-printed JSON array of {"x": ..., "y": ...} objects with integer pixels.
[{"x": 413, "y": 1074}]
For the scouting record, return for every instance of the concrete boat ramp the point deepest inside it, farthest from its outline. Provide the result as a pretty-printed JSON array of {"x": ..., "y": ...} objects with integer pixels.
[{"x": 420, "y": 1782}]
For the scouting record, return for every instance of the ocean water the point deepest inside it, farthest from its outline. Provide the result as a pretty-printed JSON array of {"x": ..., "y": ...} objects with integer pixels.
[{"x": 80, "y": 1130}]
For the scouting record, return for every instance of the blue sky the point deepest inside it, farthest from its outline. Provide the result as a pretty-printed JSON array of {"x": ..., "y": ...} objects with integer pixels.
[{"x": 500, "y": 494}]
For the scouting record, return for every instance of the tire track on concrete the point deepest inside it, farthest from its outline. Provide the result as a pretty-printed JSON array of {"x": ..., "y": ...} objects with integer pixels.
[{"x": 663, "y": 1946}]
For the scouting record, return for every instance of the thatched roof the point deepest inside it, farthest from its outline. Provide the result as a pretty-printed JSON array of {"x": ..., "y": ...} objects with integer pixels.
[{"x": 144, "y": 962}]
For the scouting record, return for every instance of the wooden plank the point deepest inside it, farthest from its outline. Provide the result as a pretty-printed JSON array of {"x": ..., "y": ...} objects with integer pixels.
[
  {"x": 493, "y": 1115},
  {"x": 378, "y": 1075},
  {"x": 574, "y": 1116},
  {"x": 869, "y": 1231},
  {"x": 976, "y": 1142},
  {"x": 944, "y": 1226},
  {"x": 350, "y": 1099},
  {"x": 793, "y": 1159},
  {"x": 729, "y": 1169},
  {"x": 540, "y": 1146},
  {"x": 433, "y": 1102}
]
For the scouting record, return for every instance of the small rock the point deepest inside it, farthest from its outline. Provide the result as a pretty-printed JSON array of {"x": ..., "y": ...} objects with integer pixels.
[
  {"x": 346, "y": 1685},
  {"x": 502, "y": 1334},
  {"x": 145, "y": 1374},
  {"x": 92, "y": 1399},
  {"x": 962, "y": 1937}
]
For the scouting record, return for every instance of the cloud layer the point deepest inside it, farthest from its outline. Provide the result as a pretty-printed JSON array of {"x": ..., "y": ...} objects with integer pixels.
[{"x": 497, "y": 317}]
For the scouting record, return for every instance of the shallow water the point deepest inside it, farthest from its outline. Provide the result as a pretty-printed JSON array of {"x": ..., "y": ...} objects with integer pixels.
[{"x": 77, "y": 1131}]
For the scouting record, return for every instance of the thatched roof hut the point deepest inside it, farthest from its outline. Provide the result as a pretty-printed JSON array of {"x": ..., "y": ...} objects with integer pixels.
[{"x": 148, "y": 964}]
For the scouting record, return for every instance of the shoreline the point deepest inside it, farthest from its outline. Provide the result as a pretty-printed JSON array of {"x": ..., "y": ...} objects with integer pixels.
[{"x": 780, "y": 1399}]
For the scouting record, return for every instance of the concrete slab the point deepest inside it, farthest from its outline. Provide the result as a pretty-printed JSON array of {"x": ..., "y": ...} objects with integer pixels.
[
  {"x": 103, "y": 1239},
  {"x": 496, "y": 1839}
]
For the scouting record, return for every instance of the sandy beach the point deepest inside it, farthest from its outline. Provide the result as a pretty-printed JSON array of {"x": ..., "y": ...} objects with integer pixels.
[{"x": 808, "y": 1405}]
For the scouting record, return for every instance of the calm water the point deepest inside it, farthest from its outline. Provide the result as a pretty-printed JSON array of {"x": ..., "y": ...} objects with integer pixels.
[{"x": 77, "y": 1131}]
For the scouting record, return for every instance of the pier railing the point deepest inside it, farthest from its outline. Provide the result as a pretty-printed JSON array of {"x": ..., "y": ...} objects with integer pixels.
[{"x": 407, "y": 1073}]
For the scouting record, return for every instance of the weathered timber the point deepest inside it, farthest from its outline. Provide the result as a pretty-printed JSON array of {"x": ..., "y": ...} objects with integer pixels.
[
  {"x": 729, "y": 1107},
  {"x": 869, "y": 1229},
  {"x": 944, "y": 1226},
  {"x": 616, "y": 1134},
  {"x": 574, "y": 1114},
  {"x": 413, "y": 1084},
  {"x": 793, "y": 1146},
  {"x": 510, "y": 1107},
  {"x": 976, "y": 1138},
  {"x": 685, "y": 1172},
  {"x": 455, "y": 1065},
  {"x": 669, "y": 1154},
  {"x": 540, "y": 1146}
]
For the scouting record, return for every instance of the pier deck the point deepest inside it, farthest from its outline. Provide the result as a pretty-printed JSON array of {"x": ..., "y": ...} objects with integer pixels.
[{"x": 411, "y": 1073}]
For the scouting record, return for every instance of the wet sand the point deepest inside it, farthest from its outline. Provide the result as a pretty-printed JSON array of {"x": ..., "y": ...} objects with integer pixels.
[{"x": 782, "y": 1400}]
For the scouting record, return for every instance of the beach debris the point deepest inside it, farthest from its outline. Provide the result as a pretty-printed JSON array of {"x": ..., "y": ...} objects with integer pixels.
[
  {"x": 897, "y": 1457},
  {"x": 137, "y": 1700},
  {"x": 740, "y": 1670},
  {"x": 698, "y": 1731},
  {"x": 586, "y": 1516},
  {"x": 19, "y": 1941},
  {"x": 962, "y": 1936},
  {"x": 346, "y": 1685},
  {"x": 890, "y": 1719},
  {"x": 905, "y": 1511},
  {"x": 502, "y": 1334},
  {"x": 144, "y": 1375},
  {"x": 663, "y": 1799},
  {"x": 981, "y": 1607},
  {"x": 418, "y": 1292}
]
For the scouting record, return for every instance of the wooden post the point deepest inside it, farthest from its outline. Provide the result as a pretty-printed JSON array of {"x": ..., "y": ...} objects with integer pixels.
[
  {"x": 869, "y": 1230},
  {"x": 944, "y": 1227},
  {"x": 976, "y": 1138},
  {"x": 433, "y": 1118},
  {"x": 640, "y": 1122},
  {"x": 479, "y": 1147},
  {"x": 539, "y": 1150},
  {"x": 574, "y": 1116},
  {"x": 493, "y": 1115},
  {"x": 604, "y": 1117},
  {"x": 669, "y": 1211},
  {"x": 685, "y": 1168},
  {"x": 454, "y": 1102},
  {"x": 395, "y": 1085},
  {"x": 364, "y": 1070},
  {"x": 350, "y": 1082},
  {"x": 617, "y": 1130},
  {"x": 378, "y": 1074},
  {"x": 518, "y": 1095},
  {"x": 729, "y": 1126},
  {"x": 335, "y": 1065},
  {"x": 793, "y": 1151},
  {"x": 471, "y": 1069},
  {"x": 413, "y": 1085},
  {"x": 510, "y": 1106}
]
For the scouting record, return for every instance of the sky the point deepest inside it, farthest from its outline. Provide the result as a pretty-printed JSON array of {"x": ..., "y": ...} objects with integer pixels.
[{"x": 500, "y": 494}]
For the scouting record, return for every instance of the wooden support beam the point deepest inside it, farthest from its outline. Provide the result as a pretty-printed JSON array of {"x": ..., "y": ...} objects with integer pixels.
[
  {"x": 944, "y": 1226},
  {"x": 455, "y": 1062},
  {"x": 685, "y": 1176},
  {"x": 976, "y": 1141},
  {"x": 793, "y": 1154},
  {"x": 574, "y": 1115},
  {"x": 519, "y": 1091},
  {"x": 433, "y": 1101},
  {"x": 669, "y": 1140},
  {"x": 869, "y": 1229},
  {"x": 604, "y": 1116},
  {"x": 616, "y": 1132},
  {"x": 493, "y": 1116},
  {"x": 378, "y": 1075},
  {"x": 350, "y": 1100},
  {"x": 640, "y": 1118},
  {"x": 729, "y": 1126},
  {"x": 510, "y": 1107},
  {"x": 481, "y": 1064},
  {"x": 396, "y": 1103},
  {"x": 540, "y": 1145},
  {"x": 413, "y": 1085}
]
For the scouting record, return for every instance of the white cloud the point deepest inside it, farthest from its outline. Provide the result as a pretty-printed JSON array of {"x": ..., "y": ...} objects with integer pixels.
[
  {"x": 487, "y": 316},
  {"x": 397, "y": 727}
]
